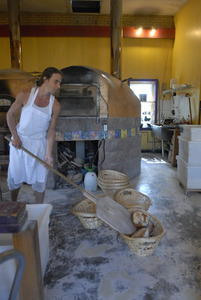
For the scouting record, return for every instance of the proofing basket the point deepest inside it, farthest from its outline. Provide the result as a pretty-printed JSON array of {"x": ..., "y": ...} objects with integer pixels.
[
  {"x": 85, "y": 210},
  {"x": 111, "y": 176},
  {"x": 132, "y": 199},
  {"x": 146, "y": 246},
  {"x": 111, "y": 182}
]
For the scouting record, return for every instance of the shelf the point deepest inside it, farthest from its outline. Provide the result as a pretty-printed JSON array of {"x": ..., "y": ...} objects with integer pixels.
[{"x": 185, "y": 86}]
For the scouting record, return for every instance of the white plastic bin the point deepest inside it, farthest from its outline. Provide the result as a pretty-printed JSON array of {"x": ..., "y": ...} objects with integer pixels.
[
  {"x": 191, "y": 132},
  {"x": 40, "y": 213},
  {"x": 189, "y": 174},
  {"x": 189, "y": 151}
]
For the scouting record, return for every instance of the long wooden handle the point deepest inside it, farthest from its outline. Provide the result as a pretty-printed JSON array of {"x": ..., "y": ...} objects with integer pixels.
[{"x": 49, "y": 167}]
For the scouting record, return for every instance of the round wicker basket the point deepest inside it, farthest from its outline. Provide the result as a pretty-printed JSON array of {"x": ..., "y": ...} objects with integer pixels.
[
  {"x": 111, "y": 182},
  {"x": 132, "y": 199},
  {"x": 146, "y": 246},
  {"x": 111, "y": 176},
  {"x": 112, "y": 190},
  {"x": 85, "y": 210},
  {"x": 115, "y": 184}
]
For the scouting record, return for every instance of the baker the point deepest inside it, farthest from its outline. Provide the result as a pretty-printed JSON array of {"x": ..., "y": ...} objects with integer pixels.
[{"x": 36, "y": 130}]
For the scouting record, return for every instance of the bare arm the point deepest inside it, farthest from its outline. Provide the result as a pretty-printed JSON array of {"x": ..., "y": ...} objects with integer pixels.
[
  {"x": 13, "y": 112},
  {"x": 51, "y": 134}
]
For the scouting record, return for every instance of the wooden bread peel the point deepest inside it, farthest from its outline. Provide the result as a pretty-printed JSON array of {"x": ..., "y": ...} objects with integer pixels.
[{"x": 107, "y": 209}]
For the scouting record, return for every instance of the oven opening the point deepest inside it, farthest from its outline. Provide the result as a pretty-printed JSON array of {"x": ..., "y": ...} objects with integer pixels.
[
  {"x": 78, "y": 106},
  {"x": 79, "y": 100},
  {"x": 74, "y": 159}
]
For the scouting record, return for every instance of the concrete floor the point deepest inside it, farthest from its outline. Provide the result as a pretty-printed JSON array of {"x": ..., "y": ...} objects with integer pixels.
[{"x": 97, "y": 264}]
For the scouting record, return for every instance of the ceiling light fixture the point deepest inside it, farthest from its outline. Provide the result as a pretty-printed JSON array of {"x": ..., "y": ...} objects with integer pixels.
[
  {"x": 152, "y": 32},
  {"x": 139, "y": 31}
]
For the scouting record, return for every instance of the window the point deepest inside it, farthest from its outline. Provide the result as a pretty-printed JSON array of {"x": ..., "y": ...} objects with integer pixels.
[{"x": 146, "y": 90}]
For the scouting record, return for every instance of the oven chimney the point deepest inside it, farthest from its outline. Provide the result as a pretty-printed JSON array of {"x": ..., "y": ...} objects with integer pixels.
[
  {"x": 116, "y": 36},
  {"x": 14, "y": 32}
]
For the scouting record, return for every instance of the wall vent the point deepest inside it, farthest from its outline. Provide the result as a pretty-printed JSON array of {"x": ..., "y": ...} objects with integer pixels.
[{"x": 86, "y": 6}]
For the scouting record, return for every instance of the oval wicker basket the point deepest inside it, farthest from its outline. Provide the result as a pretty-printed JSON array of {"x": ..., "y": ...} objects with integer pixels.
[
  {"x": 85, "y": 210},
  {"x": 111, "y": 176},
  {"x": 146, "y": 246},
  {"x": 132, "y": 199}
]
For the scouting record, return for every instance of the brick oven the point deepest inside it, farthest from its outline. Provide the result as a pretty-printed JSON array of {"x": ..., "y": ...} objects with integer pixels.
[{"x": 100, "y": 115}]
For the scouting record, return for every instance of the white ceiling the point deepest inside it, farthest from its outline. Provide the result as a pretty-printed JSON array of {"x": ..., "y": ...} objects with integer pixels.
[{"x": 148, "y": 7}]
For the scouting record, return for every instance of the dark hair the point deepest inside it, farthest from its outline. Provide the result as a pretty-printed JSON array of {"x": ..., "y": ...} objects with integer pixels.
[{"x": 48, "y": 74}]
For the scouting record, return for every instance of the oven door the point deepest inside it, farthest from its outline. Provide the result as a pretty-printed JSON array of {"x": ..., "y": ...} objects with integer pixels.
[{"x": 79, "y": 100}]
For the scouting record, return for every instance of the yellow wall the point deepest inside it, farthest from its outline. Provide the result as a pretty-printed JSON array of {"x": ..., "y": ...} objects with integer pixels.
[
  {"x": 148, "y": 59},
  {"x": 5, "y": 60},
  {"x": 187, "y": 51},
  {"x": 141, "y": 58},
  {"x": 147, "y": 141},
  {"x": 39, "y": 53}
]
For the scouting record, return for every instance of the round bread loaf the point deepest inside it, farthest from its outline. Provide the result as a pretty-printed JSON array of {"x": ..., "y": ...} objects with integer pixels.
[
  {"x": 150, "y": 227},
  {"x": 139, "y": 219},
  {"x": 142, "y": 232}
]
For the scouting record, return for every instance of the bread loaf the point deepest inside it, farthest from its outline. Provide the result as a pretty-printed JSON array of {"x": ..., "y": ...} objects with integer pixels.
[
  {"x": 139, "y": 219},
  {"x": 142, "y": 232},
  {"x": 150, "y": 227}
]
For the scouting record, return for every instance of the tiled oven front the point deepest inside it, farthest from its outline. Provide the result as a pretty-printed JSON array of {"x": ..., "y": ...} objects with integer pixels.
[{"x": 117, "y": 148}]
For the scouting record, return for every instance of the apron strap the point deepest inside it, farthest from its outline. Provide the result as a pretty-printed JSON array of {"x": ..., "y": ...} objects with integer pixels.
[
  {"x": 51, "y": 102},
  {"x": 33, "y": 95}
]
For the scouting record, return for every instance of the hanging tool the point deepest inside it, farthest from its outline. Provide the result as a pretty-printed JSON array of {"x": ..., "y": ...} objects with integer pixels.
[{"x": 189, "y": 103}]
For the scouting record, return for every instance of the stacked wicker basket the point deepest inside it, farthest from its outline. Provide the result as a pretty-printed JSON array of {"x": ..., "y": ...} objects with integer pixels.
[
  {"x": 111, "y": 182},
  {"x": 117, "y": 186}
]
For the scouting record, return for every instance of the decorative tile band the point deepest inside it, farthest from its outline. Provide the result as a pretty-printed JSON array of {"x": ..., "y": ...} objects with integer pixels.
[{"x": 96, "y": 135}]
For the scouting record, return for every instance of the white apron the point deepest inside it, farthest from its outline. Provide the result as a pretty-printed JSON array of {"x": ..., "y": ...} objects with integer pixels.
[{"x": 32, "y": 130}]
